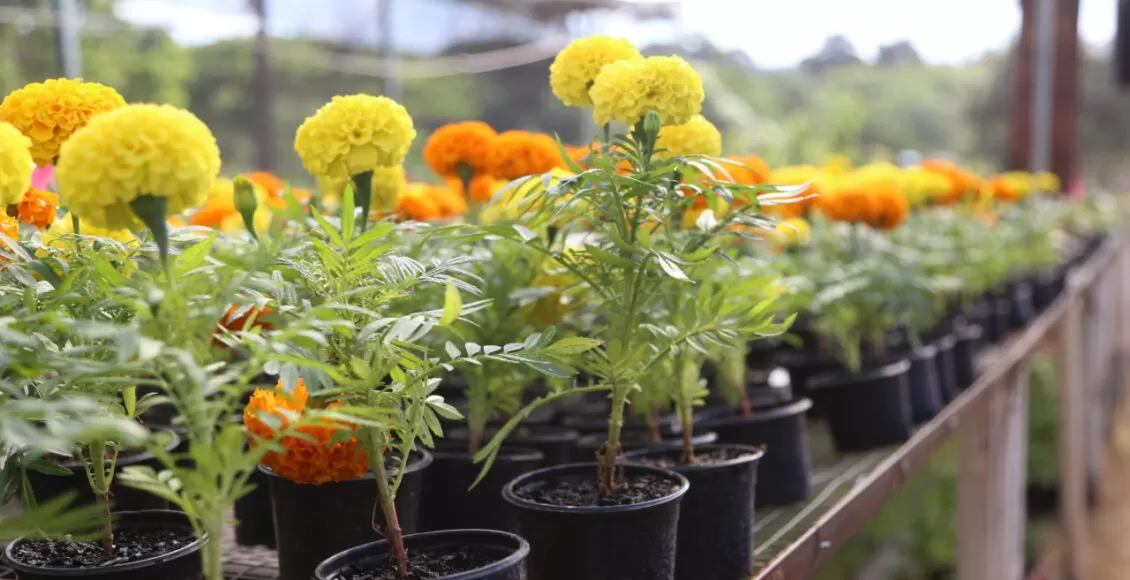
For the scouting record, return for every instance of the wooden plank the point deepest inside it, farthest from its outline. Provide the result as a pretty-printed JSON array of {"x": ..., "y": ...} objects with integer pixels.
[
  {"x": 991, "y": 477},
  {"x": 1072, "y": 443}
]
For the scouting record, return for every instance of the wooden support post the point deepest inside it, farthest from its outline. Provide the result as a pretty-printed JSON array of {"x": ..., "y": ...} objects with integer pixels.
[
  {"x": 1072, "y": 442},
  {"x": 991, "y": 478}
]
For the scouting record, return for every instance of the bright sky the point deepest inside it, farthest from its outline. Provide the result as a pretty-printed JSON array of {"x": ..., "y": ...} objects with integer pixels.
[
  {"x": 780, "y": 33},
  {"x": 775, "y": 33}
]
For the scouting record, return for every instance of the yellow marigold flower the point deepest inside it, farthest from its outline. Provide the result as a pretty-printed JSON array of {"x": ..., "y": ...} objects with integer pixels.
[
  {"x": 1046, "y": 181},
  {"x": 137, "y": 150},
  {"x": 15, "y": 165},
  {"x": 38, "y": 208},
  {"x": 577, "y": 65},
  {"x": 59, "y": 235},
  {"x": 49, "y": 112},
  {"x": 387, "y": 184},
  {"x": 353, "y": 134},
  {"x": 697, "y": 137},
  {"x": 9, "y": 227},
  {"x": 625, "y": 91}
]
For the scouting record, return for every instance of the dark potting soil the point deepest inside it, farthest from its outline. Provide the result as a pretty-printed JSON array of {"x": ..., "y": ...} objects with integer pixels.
[
  {"x": 584, "y": 491},
  {"x": 429, "y": 563},
  {"x": 130, "y": 545},
  {"x": 711, "y": 457}
]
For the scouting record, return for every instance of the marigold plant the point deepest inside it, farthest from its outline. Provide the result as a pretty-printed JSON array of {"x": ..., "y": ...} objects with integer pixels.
[{"x": 51, "y": 111}]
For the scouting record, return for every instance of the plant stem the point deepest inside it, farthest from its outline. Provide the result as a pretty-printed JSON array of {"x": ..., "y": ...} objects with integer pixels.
[
  {"x": 478, "y": 389},
  {"x": 100, "y": 485},
  {"x": 608, "y": 471},
  {"x": 687, "y": 373},
  {"x": 732, "y": 373},
  {"x": 214, "y": 549},
  {"x": 385, "y": 497}
]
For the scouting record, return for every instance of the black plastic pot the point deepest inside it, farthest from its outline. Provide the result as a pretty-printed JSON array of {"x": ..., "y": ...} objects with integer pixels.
[
  {"x": 615, "y": 542},
  {"x": 631, "y": 440},
  {"x": 802, "y": 368},
  {"x": 965, "y": 355},
  {"x": 762, "y": 354},
  {"x": 1047, "y": 286},
  {"x": 123, "y": 498},
  {"x": 556, "y": 443},
  {"x": 716, "y": 515},
  {"x": 449, "y": 501},
  {"x": 314, "y": 522},
  {"x": 925, "y": 391},
  {"x": 1022, "y": 310},
  {"x": 998, "y": 323},
  {"x": 945, "y": 368},
  {"x": 511, "y": 551},
  {"x": 868, "y": 410},
  {"x": 254, "y": 520},
  {"x": 783, "y": 431},
  {"x": 181, "y": 564}
]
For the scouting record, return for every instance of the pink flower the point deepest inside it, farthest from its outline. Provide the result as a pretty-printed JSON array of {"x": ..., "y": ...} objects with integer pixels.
[{"x": 43, "y": 177}]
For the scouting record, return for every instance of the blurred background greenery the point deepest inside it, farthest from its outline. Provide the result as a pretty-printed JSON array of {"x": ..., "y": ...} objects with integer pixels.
[{"x": 833, "y": 101}]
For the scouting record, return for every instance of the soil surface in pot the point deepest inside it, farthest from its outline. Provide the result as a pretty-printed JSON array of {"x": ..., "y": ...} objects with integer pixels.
[
  {"x": 576, "y": 491},
  {"x": 712, "y": 457},
  {"x": 130, "y": 545},
  {"x": 439, "y": 562}
]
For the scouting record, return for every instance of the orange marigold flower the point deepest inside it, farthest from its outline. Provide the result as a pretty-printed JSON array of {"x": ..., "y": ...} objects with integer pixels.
[
  {"x": 520, "y": 153},
  {"x": 39, "y": 208},
  {"x": 1005, "y": 189},
  {"x": 309, "y": 458},
  {"x": 417, "y": 205},
  {"x": 889, "y": 208},
  {"x": 468, "y": 144},
  {"x": 236, "y": 319},
  {"x": 451, "y": 202}
]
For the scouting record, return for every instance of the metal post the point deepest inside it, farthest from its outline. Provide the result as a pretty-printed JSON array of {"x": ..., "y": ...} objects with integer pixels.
[
  {"x": 70, "y": 47},
  {"x": 264, "y": 114},
  {"x": 390, "y": 82},
  {"x": 1039, "y": 154}
]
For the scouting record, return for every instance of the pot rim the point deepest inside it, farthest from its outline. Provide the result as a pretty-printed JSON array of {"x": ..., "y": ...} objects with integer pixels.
[
  {"x": 754, "y": 454},
  {"x": 520, "y": 553},
  {"x": 174, "y": 441},
  {"x": 948, "y": 339},
  {"x": 969, "y": 332},
  {"x": 425, "y": 459},
  {"x": 796, "y": 407},
  {"x": 584, "y": 441},
  {"x": 505, "y": 453},
  {"x": 836, "y": 379},
  {"x": 926, "y": 351},
  {"x": 556, "y": 433},
  {"x": 187, "y": 549},
  {"x": 511, "y": 497}
]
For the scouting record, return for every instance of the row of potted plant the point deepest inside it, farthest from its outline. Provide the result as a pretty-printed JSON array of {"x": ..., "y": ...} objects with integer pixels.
[{"x": 575, "y": 376}]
